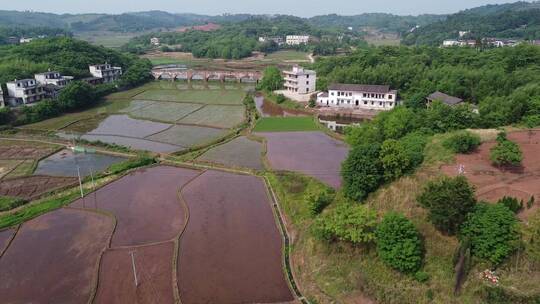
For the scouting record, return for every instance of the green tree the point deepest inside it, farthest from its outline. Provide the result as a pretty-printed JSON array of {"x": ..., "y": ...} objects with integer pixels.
[
  {"x": 362, "y": 172},
  {"x": 448, "y": 201},
  {"x": 137, "y": 74},
  {"x": 272, "y": 79},
  {"x": 318, "y": 201},
  {"x": 77, "y": 95},
  {"x": 346, "y": 223},
  {"x": 505, "y": 152},
  {"x": 492, "y": 230},
  {"x": 462, "y": 142},
  {"x": 394, "y": 159},
  {"x": 399, "y": 243}
]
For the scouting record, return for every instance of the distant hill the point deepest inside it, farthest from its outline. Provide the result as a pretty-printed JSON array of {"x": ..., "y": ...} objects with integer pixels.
[
  {"x": 515, "y": 20},
  {"x": 380, "y": 21}
]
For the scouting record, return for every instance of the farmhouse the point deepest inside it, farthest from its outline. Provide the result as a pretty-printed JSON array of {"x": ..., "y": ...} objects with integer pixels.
[
  {"x": 154, "y": 41},
  {"x": 297, "y": 39},
  {"x": 277, "y": 40},
  {"x": 24, "y": 91},
  {"x": 444, "y": 98},
  {"x": 372, "y": 97},
  {"x": 53, "y": 78},
  {"x": 2, "y": 104},
  {"x": 300, "y": 80},
  {"x": 105, "y": 71}
]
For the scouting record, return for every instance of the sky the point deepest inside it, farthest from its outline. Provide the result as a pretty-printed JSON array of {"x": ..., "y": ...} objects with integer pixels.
[{"x": 303, "y": 8}]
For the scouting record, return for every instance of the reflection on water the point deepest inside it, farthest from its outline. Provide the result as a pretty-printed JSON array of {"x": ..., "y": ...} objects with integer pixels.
[
  {"x": 338, "y": 122},
  {"x": 267, "y": 109}
]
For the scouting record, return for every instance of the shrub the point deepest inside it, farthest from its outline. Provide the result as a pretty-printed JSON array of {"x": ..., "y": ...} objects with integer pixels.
[
  {"x": 347, "y": 223},
  {"x": 6, "y": 116},
  {"x": 280, "y": 98},
  {"x": 318, "y": 201},
  {"x": 421, "y": 276},
  {"x": 395, "y": 161},
  {"x": 511, "y": 203},
  {"x": 414, "y": 144},
  {"x": 362, "y": 172},
  {"x": 399, "y": 244},
  {"x": 505, "y": 152},
  {"x": 448, "y": 200},
  {"x": 492, "y": 230},
  {"x": 462, "y": 142},
  {"x": 531, "y": 235},
  {"x": 140, "y": 161}
]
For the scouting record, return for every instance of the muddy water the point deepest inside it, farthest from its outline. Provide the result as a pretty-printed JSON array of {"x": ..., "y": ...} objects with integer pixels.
[
  {"x": 231, "y": 249},
  {"x": 53, "y": 258},
  {"x": 65, "y": 163},
  {"x": 145, "y": 203},
  {"x": 154, "y": 266},
  {"x": 268, "y": 109},
  {"x": 5, "y": 236}
]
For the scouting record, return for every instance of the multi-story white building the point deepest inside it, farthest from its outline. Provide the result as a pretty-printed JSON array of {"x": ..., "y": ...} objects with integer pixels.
[
  {"x": 300, "y": 81},
  {"x": 24, "y": 91},
  {"x": 154, "y": 41},
  {"x": 297, "y": 39},
  {"x": 53, "y": 78},
  {"x": 2, "y": 104},
  {"x": 276, "y": 40},
  {"x": 373, "y": 97},
  {"x": 105, "y": 71}
]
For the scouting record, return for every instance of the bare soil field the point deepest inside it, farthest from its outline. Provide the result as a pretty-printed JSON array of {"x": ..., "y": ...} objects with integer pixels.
[
  {"x": 492, "y": 183},
  {"x": 221, "y": 97},
  {"x": 24, "y": 150},
  {"x": 145, "y": 203},
  {"x": 295, "y": 151},
  {"x": 188, "y": 136},
  {"x": 65, "y": 163},
  {"x": 239, "y": 152},
  {"x": 231, "y": 249},
  {"x": 53, "y": 258},
  {"x": 154, "y": 275},
  {"x": 5, "y": 236},
  {"x": 31, "y": 187}
]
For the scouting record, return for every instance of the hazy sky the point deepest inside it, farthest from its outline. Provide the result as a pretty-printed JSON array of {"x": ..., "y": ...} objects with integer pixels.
[{"x": 293, "y": 7}]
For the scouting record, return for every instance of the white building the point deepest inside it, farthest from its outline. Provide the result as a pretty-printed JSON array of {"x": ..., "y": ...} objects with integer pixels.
[
  {"x": 106, "y": 72},
  {"x": 373, "y": 97},
  {"x": 24, "y": 91},
  {"x": 154, "y": 41},
  {"x": 53, "y": 78},
  {"x": 300, "y": 81},
  {"x": 25, "y": 40},
  {"x": 277, "y": 40},
  {"x": 2, "y": 104},
  {"x": 297, "y": 39}
]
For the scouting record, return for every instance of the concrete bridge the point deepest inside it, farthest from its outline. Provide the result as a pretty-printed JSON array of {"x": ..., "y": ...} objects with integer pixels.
[{"x": 173, "y": 73}]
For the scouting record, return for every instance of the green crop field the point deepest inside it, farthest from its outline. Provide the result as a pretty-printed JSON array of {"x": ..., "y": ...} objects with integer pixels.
[
  {"x": 188, "y": 136},
  {"x": 216, "y": 116},
  {"x": 225, "y": 97},
  {"x": 288, "y": 56},
  {"x": 286, "y": 124},
  {"x": 163, "y": 111}
]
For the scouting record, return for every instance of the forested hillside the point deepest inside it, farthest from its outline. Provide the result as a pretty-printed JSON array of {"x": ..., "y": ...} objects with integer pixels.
[
  {"x": 518, "y": 20},
  {"x": 504, "y": 82}
]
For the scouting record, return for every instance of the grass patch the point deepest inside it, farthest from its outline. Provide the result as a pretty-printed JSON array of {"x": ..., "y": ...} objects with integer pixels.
[
  {"x": 24, "y": 168},
  {"x": 286, "y": 124},
  {"x": 225, "y": 97},
  {"x": 288, "y": 55},
  {"x": 8, "y": 203}
]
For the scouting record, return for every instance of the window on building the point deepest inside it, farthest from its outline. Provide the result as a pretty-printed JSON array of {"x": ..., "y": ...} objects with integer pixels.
[
  {"x": 307, "y": 82},
  {"x": 332, "y": 94},
  {"x": 390, "y": 96},
  {"x": 365, "y": 102},
  {"x": 372, "y": 103},
  {"x": 391, "y": 103},
  {"x": 380, "y": 104}
]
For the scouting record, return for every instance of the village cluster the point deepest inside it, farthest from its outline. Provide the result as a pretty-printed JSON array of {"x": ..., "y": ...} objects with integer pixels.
[{"x": 50, "y": 83}]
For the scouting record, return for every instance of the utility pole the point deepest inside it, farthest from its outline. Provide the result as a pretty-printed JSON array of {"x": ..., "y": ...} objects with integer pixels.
[
  {"x": 134, "y": 269},
  {"x": 93, "y": 187}
]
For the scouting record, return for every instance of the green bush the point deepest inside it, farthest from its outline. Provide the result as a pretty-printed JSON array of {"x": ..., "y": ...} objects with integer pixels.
[
  {"x": 448, "y": 201},
  {"x": 140, "y": 161},
  {"x": 462, "y": 142},
  {"x": 272, "y": 79},
  {"x": 399, "y": 243},
  {"x": 280, "y": 98},
  {"x": 492, "y": 230},
  {"x": 347, "y": 223},
  {"x": 421, "y": 276},
  {"x": 318, "y": 201},
  {"x": 505, "y": 152},
  {"x": 394, "y": 159},
  {"x": 362, "y": 172},
  {"x": 511, "y": 203},
  {"x": 8, "y": 203}
]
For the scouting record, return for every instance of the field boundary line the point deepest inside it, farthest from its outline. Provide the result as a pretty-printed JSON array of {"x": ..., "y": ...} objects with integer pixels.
[
  {"x": 10, "y": 240},
  {"x": 176, "y": 253},
  {"x": 286, "y": 241}
]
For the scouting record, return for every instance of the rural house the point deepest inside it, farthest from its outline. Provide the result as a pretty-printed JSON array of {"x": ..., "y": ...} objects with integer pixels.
[
  {"x": 300, "y": 81},
  {"x": 24, "y": 91},
  {"x": 444, "y": 98},
  {"x": 106, "y": 72},
  {"x": 372, "y": 97}
]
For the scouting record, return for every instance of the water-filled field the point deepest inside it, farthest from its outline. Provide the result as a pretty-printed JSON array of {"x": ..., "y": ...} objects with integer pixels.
[
  {"x": 66, "y": 162},
  {"x": 239, "y": 152}
]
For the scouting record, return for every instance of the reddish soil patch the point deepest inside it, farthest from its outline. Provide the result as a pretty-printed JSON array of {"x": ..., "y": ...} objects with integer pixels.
[
  {"x": 492, "y": 182},
  {"x": 154, "y": 275},
  {"x": 24, "y": 152},
  {"x": 31, "y": 187},
  {"x": 53, "y": 258},
  {"x": 231, "y": 249},
  {"x": 312, "y": 153},
  {"x": 204, "y": 28},
  {"x": 5, "y": 236},
  {"x": 145, "y": 203}
]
